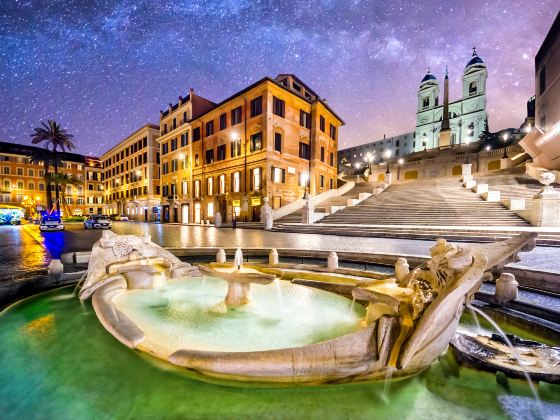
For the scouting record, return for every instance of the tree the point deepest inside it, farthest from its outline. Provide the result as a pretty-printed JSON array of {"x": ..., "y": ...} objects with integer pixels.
[
  {"x": 486, "y": 137},
  {"x": 63, "y": 180},
  {"x": 55, "y": 137},
  {"x": 47, "y": 159}
]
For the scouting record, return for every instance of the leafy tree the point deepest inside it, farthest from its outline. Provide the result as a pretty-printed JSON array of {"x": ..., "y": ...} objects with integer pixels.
[
  {"x": 55, "y": 138},
  {"x": 61, "y": 180}
]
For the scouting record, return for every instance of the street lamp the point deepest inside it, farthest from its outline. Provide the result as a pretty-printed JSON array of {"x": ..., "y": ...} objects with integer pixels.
[
  {"x": 528, "y": 128},
  {"x": 369, "y": 158},
  {"x": 505, "y": 137},
  {"x": 304, "y": 177},
  {"x": 388, "y": 154}
]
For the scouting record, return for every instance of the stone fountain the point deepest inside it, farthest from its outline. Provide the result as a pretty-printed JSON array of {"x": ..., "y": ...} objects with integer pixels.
[{"x": 409, "y": 322}]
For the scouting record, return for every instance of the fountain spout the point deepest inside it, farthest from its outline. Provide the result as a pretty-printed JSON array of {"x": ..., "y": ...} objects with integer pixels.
[{"x": 238, "y": 259}]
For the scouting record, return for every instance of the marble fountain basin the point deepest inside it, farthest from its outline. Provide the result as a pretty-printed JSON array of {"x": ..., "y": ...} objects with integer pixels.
[{"x": 245, "y": 325}]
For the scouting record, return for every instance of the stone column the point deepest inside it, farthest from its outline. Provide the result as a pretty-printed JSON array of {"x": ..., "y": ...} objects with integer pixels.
[
  {"x": 546, "y": 204},
  {"x": 506, "y": 288},
  {"x": 466, "y": 172},
  {"x": 273, "y": 257},
  {"x": 388, "y": 178},
  {"x": 221, "y": 256},
  {"x": 308, "y": 214},
  {"x": 401, "y": 269},
  {"x": 332, "y": 261},
  {"x": 505, "y": 162}
]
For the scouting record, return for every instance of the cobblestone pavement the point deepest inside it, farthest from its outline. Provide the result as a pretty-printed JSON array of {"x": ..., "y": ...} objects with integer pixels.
[{"x": 24, "y": 248}]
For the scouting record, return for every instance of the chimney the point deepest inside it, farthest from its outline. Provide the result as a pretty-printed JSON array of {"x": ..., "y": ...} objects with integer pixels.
[
  {"x": 191, "y": 92},
  {"x": 383, "y": 136}
]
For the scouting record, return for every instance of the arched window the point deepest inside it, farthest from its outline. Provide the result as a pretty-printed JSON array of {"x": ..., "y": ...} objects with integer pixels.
[
  {"x": 472, "y": 88},
  {"x": 426, "y": 102}
]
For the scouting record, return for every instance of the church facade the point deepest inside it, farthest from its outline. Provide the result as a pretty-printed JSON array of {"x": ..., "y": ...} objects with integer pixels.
[{"x": 467, "y": 115}]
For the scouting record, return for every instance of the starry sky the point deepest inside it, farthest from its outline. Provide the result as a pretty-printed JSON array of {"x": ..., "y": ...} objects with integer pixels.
[{"x": 105, "y": 68}]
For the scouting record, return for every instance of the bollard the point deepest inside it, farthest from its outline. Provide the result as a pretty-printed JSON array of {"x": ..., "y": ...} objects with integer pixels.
[
  {"x": 401, "y": 269},
  {"x": 221, "y": 256},
  {"x": 56, "y": 269},
  {"x": 506, "y": 288},
  {"x": 332, "y": 261},
  {"x": 273, "y": 257}
]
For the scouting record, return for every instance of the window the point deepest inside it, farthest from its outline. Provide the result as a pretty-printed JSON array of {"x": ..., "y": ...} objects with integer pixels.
[
  {"x": 222, "y": 152},
  {"x": 165, "y": 168},
  {"x": 278, "y": 175},
  {"x": 235, "y": 148},
  {"x": 41, "y": 186},
  {"x": 197, "y": 188},
  {"x": 174, "y": 144},
  {"x": 209, "y": 156},
  {"x": 333, "y": 132},
  {"x": 278, "y": 107},
  {"x": 321, "y": 181},
  {"x": 542, "y": 80},
  {"x": 222, "y": 184},
  {"x": 255, "y": 179},
  {"x": 196, "y": 134},
  {"x": 236, "y": 116},
  {"x": 31, "y": 172},
  {"x": 331, "y": 183},
  {"x": 223, "y": 121},
  {"x": 174, "y": 123},
  {"x": 322, "y": 154},
  {"x": 20, "y": 185},
  {"x": 210, "y": 212},
  {"x": 322, "y": 123},
  {"x": 6, "y": 170},
  {"x": 426, "y": 102},
  {"x": 278, "y": 142},
  {"x": 31, "y": 186},
  {"x": 184, "y": 187},
  {"x": 304, "y": 119},
  {"x": 165, "y": 148},
  {"x": 210, "y": 186},
  {"x": 236, "y": 182},
  {"x": 20, "y": 171},
  {"x": 209, "y": 128},
  {"x": 184, "y": 139},
  {"x": 196, "y": 160},
  {"x": 472, "y": 88},
  {"x": 256, "y": 106},
  {"x": 304, "y": 151},
  {"x": 174, "y": 165},
  {"x": 256, "y": 142}
]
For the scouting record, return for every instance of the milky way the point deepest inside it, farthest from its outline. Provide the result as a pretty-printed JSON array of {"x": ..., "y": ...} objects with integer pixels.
[{"x": 104, "y": 68}]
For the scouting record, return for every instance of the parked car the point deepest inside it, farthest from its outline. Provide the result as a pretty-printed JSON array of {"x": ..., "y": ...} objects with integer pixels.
[
  {"x": 50, "y": 223},
  {"x": 97, "y": 221},
  {"x": 121, "y": 218}
]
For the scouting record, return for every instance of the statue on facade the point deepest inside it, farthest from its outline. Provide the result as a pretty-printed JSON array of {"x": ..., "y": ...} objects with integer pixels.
[{"x": 266, "y": 215}]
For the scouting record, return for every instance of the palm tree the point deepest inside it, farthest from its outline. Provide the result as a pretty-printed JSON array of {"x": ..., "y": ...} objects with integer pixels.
[
  {"x": 62, "y": 180},
  {"x": 55, "y": 137},
  {"x": 47, "y": 159}
]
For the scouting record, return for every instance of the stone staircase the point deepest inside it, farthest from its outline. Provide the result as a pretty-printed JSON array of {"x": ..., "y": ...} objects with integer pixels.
[
  {"x": 438, "y": 202},
  {"x": 361, "y": 191}
]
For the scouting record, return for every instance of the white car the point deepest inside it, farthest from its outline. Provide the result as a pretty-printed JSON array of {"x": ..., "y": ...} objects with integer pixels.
[
  {"x": 97, "y": 222},
  {"x": 121, "y": 218},
  {"x": 51, "y": 223}
]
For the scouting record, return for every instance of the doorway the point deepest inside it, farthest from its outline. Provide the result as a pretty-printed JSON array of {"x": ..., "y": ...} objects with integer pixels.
[{"x": 185, "y": 213}]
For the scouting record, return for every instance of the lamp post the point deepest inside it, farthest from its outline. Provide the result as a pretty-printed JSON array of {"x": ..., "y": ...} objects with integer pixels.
[
  {"x": 303, "y": 180},
  {"x": 388, "y": 154},
  {"x": 505, "y": 137},
  {"x": 400, "y": 162}
]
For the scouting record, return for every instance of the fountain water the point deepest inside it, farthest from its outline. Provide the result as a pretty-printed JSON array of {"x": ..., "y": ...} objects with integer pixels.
[
  {"x": 387, "y": 384},
  {"x": 80, "y": 281},
  {"x": 514, "y": 353},
  {"x": 475, "y": 318},
  {"x": 238, "y": 259},
  {"x": 278, "y": 288}
]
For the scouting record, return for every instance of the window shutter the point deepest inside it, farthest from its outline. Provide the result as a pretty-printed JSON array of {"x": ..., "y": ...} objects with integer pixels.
[
  {"x": 251, "y": 182},
  {"x": 283, "y": 176},
  {"x": 272, "y": 174},
  {"x": 231, "y": 182}
]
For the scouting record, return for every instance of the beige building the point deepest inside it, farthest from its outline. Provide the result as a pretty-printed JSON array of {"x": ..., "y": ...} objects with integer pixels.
[
  {"x": 543, "y": 143},
  {"x": 275, "y": 138},
  {"x": 23, "y": 183},
  {"x": 131, "y": 176}
]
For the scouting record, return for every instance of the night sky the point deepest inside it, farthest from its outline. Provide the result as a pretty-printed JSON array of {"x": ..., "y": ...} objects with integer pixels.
[{"x": 104, "y": 68}]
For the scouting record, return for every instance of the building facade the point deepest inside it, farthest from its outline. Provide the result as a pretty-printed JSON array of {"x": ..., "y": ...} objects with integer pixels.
[
  {"x": 467, "y": 115},
  {"x": 131, "y": 176},
  {"x": 378, "y": 150},
  {"x": 276, "y": 139},
  {"x": 24, "y": 185}
]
